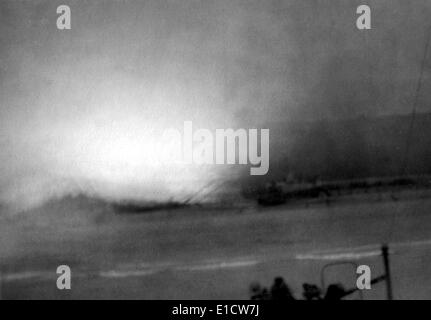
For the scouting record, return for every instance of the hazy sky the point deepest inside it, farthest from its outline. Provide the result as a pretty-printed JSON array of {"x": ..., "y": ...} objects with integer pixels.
[{"x": 75, "y": 103}]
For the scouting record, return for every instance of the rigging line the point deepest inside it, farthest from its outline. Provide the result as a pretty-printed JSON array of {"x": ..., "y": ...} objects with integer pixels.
[
  {"x": 412, "y": 120},
  {"x": 195, "y": 194},
  {"x": 415, "y": 102}
]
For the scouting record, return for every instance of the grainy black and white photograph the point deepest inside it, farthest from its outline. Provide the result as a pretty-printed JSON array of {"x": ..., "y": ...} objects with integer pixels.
[{"x": 215, "y": 150}]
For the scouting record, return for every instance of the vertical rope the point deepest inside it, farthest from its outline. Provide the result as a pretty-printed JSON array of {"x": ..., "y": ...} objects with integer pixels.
[{"x": 415, "y": 103}]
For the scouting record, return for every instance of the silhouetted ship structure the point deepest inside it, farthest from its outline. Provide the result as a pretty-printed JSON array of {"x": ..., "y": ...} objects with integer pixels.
[
  {"x": 131, "y": 207},
  {"x": 331, "y": 157},
  {"x": 281, "y": 192}
]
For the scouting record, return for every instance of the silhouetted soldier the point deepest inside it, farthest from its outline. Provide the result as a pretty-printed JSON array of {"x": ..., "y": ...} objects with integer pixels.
[
  {"x": 280, "y": 290},
  {"x": 335, "y": 292},
  {"x": 258, "y": 292},
  {"x": 311, "y": 292}
]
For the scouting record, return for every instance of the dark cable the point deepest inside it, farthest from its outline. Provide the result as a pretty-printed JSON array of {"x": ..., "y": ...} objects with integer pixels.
[{"x": 415, "y": 103}]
